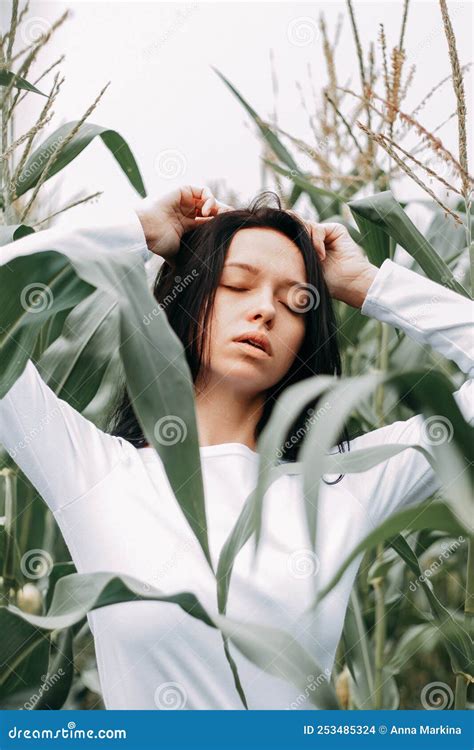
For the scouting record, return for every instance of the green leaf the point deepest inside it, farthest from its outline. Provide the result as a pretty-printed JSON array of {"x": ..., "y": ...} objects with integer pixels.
[
  {"x": 6, "y": 76},
  {"x": 11, "y": 232},
  {"x": 384, "y": 212},
  {"x": 240, "y": 534},
  {"x": 74, "y": 596},
  {"x": 32, "y": 291},
  {"x": 314, "y": 193},
  {"x": 118, "y": 147},
  {"x": 425, "y": 391},
  {"x": 151, "y": 342},
  {"x": 282, "y": 656},
  {"x": 431, "y": 515},
  {"x": 55, "y": 687},
  {"x": 373, "y": 239},
  {"x": 286, "y": 410},
  {"x": 75, "y": 363},
  {"x": 273, "y": 141},
  {"x": 417, "y": 639},
  {"x": 457, "y": 639},
  {"x": 364, "y": 459},
  {"x": 359, "y": 657}
]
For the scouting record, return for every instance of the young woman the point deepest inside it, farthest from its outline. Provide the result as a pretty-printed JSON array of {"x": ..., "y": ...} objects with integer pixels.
[{"x": 110, "y": 494}]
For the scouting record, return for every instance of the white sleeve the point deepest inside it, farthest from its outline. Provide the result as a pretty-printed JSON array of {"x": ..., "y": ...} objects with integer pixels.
[
  {"x": 430, "y": 314},
  {"x": 62, "y": 453}
]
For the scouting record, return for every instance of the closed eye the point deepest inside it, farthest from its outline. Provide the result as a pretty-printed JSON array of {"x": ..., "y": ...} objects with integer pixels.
[{"x": 293, "y": 310}]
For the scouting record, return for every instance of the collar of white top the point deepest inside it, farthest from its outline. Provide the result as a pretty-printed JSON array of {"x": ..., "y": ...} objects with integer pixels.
[{"x": 221, "y": 449}]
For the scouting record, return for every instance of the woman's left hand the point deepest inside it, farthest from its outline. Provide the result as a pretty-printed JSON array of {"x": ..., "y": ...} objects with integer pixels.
[{"x": 347, "y": 271}]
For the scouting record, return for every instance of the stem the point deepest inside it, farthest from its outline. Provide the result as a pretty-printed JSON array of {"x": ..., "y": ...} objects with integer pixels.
[
  {"x": 380, "y": 634},
  {"x": 10, "y": 585},
  {"x": 462, "y": 681},
  {"x": 469, "y": 243},
  {"x": 378, "y": 583}
]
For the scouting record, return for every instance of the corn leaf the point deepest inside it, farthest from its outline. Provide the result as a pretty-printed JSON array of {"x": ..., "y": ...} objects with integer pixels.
[
  {"x": 7, "y": 76},
  {"x": 384, "y": 212},
  {"x": 11, "y": 232},
  {"x": 37, "y": 161},
  {"x": 155, "y": 346}
]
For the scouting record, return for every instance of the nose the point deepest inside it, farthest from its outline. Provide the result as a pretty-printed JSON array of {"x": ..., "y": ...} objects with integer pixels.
[{"x": 262, "y": 308}]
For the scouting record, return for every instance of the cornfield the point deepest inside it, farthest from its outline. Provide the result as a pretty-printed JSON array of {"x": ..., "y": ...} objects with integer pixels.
[{"x": 407, "y": 639}]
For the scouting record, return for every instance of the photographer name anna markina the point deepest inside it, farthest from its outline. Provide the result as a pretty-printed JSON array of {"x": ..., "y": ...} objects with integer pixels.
[{"x": 257, "y": 318}]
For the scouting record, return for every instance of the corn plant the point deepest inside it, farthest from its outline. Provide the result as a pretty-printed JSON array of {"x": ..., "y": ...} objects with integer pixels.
[{"x": 93, "y": 334}]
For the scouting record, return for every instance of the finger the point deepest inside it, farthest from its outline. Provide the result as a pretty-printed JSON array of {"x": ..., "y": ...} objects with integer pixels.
[{"x": 318, "y": 243}]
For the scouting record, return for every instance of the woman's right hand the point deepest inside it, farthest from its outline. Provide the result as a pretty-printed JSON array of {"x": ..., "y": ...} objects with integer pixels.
[{"x": 166, "y": 219}]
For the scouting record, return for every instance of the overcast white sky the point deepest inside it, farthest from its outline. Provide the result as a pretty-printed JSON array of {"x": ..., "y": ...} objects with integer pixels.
[{"x": 174, "y": 111}]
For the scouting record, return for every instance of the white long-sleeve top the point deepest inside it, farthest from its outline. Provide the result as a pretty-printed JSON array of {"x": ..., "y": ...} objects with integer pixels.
[{"x": 117, "y": 512}]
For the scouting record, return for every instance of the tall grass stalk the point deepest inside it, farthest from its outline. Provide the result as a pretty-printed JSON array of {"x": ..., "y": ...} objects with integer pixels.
[
  {"x": 463, "y": 681},
  {"x": 378, "y": 582},
  {"x": 10, "y": 584}
]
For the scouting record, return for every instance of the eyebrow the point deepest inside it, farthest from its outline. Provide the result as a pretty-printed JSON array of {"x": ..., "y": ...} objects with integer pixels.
[{"x": 256, "y": 270}]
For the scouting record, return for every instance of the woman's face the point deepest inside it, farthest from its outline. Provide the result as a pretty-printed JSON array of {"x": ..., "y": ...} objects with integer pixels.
[{"x": 262, "y": 299}]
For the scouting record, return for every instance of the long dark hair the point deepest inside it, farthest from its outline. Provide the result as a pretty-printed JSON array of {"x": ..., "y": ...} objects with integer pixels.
[{"x": 197, "y": 271}]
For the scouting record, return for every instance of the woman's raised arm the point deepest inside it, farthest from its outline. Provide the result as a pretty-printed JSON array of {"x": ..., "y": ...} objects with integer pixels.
[
  {"x": 433, "y": 315},
  {"x": 62, "y": 453}
]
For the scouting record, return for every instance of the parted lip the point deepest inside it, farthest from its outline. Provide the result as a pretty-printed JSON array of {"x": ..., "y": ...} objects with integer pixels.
[{"x": 258, "y": 338}]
